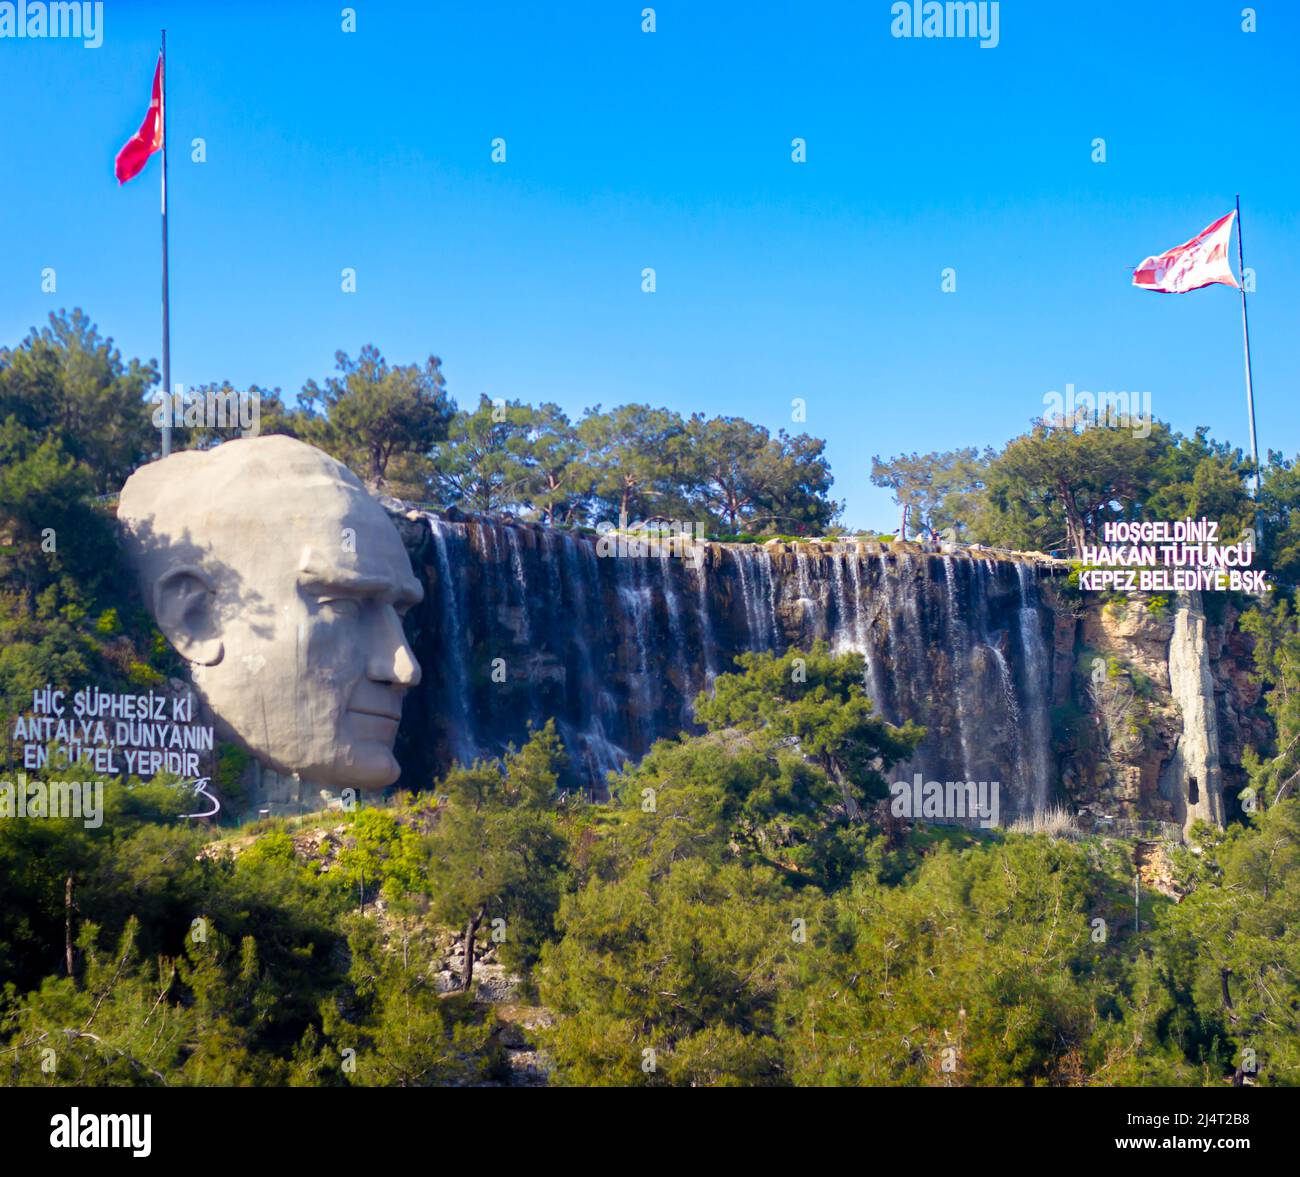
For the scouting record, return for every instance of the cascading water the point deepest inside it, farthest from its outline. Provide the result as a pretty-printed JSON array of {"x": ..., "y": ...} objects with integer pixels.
[
  {"x": 588, "y": 728},
  {"x": 861, "y": 637},
  {"x": 453, "y": 646},
  {"x": 911, "y": 668},
  {"x": 747, "y": 597},
  {"x": 616, "y": 649},
  {"x": 959, "y": 648},
  {"x": 808, "y": 604},
  {"x": 677, "y": 634},
  {"x": 708, "y": 641},
  {"x": 758, "y": 588},
  {"x": 994, "y": 650},
  {"x": 635, "y": 596},
  {"x": 769, "y": 577},
  {"x": 1037, "y": 670},
  {"x": 845, "y": 634}
]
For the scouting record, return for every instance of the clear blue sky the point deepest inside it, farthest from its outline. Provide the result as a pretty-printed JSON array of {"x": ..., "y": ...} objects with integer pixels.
[{"x": 672, "y": 150}]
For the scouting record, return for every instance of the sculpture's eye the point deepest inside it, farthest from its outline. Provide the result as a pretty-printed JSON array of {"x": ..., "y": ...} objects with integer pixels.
[{"x": 338, "y": 607}]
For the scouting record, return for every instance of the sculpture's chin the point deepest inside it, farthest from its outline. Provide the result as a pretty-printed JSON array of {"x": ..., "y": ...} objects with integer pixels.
[
  {"x": 368, "y": 769},
  {"x": 360, "y": 756}
]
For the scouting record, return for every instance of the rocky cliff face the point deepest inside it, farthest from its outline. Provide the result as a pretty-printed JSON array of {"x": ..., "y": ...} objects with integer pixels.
[
  {"x": 522, "y": 623},
  {"x": 1166, "y": 710}
]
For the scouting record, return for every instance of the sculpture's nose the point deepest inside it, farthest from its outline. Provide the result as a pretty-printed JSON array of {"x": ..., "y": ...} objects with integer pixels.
[{"x": 391, "y": 659}]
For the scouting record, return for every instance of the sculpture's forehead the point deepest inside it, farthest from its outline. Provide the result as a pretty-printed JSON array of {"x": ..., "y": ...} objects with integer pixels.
[
  {"x": 299, "y": 506},
  {"x": 291, "y": 526}
]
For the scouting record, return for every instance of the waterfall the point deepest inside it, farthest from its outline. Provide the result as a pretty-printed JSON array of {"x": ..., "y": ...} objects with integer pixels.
[
  {"x": 758, "y": 588},
  {"x": 862, "y": 637},
  {"x": 677, "y": 634},
  {"x": 861, "y": 632},
  {"x": 906, "y": 622},
  {"x": 1036, "y": 672},
  {"x": 460, "y": 729},
  {"x": 959, "y": 652},
  {"x": 850, "y": 632},
  {"x": 747, "y": 599},
  {"x": 806, "y": 603},
  {"x": 884, "y": 585},
  {"x": 774, "y": 630},
  {"x": 520, "y": 579},
  {"x": 595, "y": 706},
  {"x": 845, "y": 638},
  {"x": 707, "y": 641},
  {"x": 1005, "y": 680},
  {"x": 637, "y": 602},
  {"x": 616, "y": 650},
  {"x": 811, "y": 598}
]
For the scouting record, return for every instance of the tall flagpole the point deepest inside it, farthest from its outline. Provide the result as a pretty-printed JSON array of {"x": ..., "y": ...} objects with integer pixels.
[
  {"x": 1245, "y": 332},
  {"x": 167, "y": 317}
]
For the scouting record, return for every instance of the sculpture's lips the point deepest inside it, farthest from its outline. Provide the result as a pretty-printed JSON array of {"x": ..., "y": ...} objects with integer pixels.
[{"x": 396, "y": 717}]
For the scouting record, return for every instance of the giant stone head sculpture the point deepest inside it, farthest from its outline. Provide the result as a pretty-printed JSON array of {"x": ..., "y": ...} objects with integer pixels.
[{"x": 283, "y": 583}]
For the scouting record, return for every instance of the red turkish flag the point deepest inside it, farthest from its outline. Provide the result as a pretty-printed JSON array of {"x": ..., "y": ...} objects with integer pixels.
[
  {"x": 148, "y": 139},
  {"x": 1202, "y": 261}
]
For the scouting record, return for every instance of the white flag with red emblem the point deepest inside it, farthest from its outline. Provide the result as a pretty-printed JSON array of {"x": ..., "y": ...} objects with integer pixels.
[{"x": 1202, "y": 261}]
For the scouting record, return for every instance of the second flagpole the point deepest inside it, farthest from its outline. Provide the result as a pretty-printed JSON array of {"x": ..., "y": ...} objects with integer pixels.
[
  {"x": 166, "y": 298},
  {"x": 1245, "y": 333}
]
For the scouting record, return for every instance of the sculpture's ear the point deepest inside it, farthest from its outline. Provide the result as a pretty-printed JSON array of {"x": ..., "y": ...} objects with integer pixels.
[{"x": 185, "y": 606}]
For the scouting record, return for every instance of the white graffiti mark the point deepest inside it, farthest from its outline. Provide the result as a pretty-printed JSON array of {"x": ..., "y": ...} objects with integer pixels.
[{"x": 201, "y": 790}]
